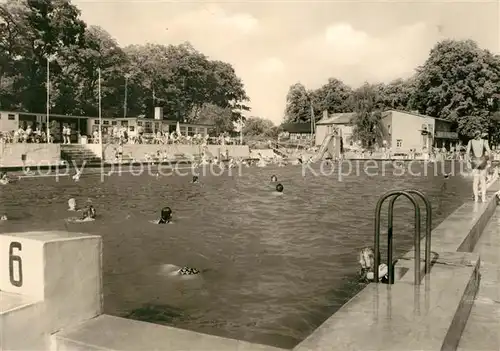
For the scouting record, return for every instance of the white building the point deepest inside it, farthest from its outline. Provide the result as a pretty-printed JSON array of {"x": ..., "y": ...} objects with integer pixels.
[
  {"x": 403, "y": 130},
  {"x": 82, "y": 125}
]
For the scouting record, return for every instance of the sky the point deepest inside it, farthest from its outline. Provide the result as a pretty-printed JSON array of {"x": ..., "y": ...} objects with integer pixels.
[{"x": 274, "y": 44}]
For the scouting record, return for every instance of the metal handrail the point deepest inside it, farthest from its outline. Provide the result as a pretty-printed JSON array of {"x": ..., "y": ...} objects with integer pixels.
[
  {"x": 408, "y": 195},
  {"x": 428, "y": 226}
]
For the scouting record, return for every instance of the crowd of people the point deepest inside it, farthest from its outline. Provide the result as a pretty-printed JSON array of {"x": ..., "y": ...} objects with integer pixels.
[
  {"x": 24, "y": 135},
  {"x": 31, "y": 134},
  {"x": 122, "y": 136}
]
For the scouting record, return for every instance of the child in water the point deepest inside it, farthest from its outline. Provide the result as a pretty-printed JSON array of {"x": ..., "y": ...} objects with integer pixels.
[
  {"x": 279, "y": 189},
  {"x": 72, "y": 204},
  {"x": 165, "y": 215},
  {"x": 89, "y": 213},
  {"x": 367, "y": 263},
  {"x": 4, "y": 179}
]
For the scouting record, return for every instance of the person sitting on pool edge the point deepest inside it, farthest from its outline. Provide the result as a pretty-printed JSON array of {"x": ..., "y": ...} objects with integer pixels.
[
  {"x": 274, "y": 179},
  {"x": 89, "y": 213},
  {"x": 195, "y": 179},
  {"x": 165, "y": 216}
]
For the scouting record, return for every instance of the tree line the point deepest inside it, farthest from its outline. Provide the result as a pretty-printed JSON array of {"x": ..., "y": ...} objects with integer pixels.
[
  {"x": 459, "y": 82},
  {"x": 186, "y": 83}
]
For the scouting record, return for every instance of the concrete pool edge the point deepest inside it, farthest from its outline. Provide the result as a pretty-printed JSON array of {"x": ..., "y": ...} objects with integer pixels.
[{"x": 453, "y": 251}]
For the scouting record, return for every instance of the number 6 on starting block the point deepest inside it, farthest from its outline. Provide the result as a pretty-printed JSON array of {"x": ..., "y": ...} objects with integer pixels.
[
  {"x": 56, "y": 267},
  {"x": 21, "y": 258}
]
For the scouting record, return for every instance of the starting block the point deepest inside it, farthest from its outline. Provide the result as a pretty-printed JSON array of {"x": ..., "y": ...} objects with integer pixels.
[{"x": 48, "y": 280}]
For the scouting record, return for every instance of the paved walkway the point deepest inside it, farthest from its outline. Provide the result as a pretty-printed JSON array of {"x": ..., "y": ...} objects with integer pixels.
[{"x": 482, "y": 332}]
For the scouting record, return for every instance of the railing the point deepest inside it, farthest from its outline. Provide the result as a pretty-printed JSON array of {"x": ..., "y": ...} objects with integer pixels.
[{"x": 395, "y": 194}]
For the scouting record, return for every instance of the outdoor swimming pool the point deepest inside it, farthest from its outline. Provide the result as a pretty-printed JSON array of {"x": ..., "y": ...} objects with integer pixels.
[{"x": 278, "y": 266}]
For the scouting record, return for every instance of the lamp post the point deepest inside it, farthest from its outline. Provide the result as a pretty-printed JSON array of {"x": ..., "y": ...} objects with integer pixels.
[
  {"x": 313, "y": 121},
  {"x": 241, "y": 128},
  {"x": 48, "y": 58},
  {"x": 127, "y": 76},
  {"x": 99, "y": 109}
]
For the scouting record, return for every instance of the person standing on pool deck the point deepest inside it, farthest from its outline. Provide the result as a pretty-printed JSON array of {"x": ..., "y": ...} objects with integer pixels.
[{"x": 479, "y": 161}]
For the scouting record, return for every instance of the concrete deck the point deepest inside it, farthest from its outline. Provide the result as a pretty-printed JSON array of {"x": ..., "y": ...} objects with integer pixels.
[
  {"x": 19, "y": 329},
  {"x": 402, "y": 316},
  {"x": 11, "y": 302},
  {"x": 482, "y": 331},
  {"x": 114, "y": 333}
]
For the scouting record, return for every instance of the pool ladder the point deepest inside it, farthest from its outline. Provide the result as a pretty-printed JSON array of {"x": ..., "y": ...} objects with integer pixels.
[{"x": 394, "y": 195}]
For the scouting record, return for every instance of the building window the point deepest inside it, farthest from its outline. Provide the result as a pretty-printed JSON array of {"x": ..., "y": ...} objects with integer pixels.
[
  {"x": 11, "y": 117},
  {"x": 124, "y": 123},
  {"x": 96, "y": 121},
  {"x": 139, "y": 123},
  {"x": 131, "y": 128},
  {"x": 105, "y": 122},
  {"x": 113, "y": 123},
  {"x": 190, "y": 131},
  {"x": 399, "y": 143}
]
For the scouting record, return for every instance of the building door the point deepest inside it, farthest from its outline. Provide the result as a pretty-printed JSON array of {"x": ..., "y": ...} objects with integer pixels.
[{"x": 82, "y": 126}]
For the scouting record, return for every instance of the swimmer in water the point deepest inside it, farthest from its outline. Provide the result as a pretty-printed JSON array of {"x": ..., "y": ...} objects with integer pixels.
[
  {"x": 77, "y": 175},
  {"x": 188, "y": 271},
  {"x": 274, "y": 179},
  {"x": 71, "y": 204},
  {"x": 279, "y": 188},
  {"x": 3, "y": 218},
  {"x": 4, "y": 179},
  {"x": 165, "y": 216},
  {"x": 367, "y": 262},
  {"x": 195, "y": 179},
  {"x": 89, "y": 213}
]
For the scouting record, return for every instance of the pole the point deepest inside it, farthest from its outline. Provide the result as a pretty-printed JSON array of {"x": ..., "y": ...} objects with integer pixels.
[
  {"x": 48, "y": 99},
  {"x": 312, "y": 120},
  {"x": 125, "y": 101},
  {"x": 154, "y": 98},
  {"x": 100, "y": 115},
  {"x": 241, "y": 129}
]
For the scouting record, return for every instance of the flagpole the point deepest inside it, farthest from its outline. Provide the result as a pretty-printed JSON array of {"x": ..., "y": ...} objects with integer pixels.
[
  {"x": 100, "y": 114},
  {"x": 48, "y": 99}
]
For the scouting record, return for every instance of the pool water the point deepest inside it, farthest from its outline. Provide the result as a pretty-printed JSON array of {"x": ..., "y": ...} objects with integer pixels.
[{"x": 276, "y": 266}]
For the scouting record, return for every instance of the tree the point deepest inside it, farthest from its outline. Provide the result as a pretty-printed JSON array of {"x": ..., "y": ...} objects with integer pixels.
[
  {"x": 298, "y": 104},
  {"x": 181, "y": 80},
  {"x": 397, "y": 94},
  {"x": 76, "y": 85},
  {"x": 176, "y": 77},
  {"x": 368, "y": 107},
  {"x": 220, "y": 118},
  {"x": 332, "y": 97},
  {"x": 32, "y": 31},
  {"x": 257, "y": 126},
  {"x": 456, "y": 82}
]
